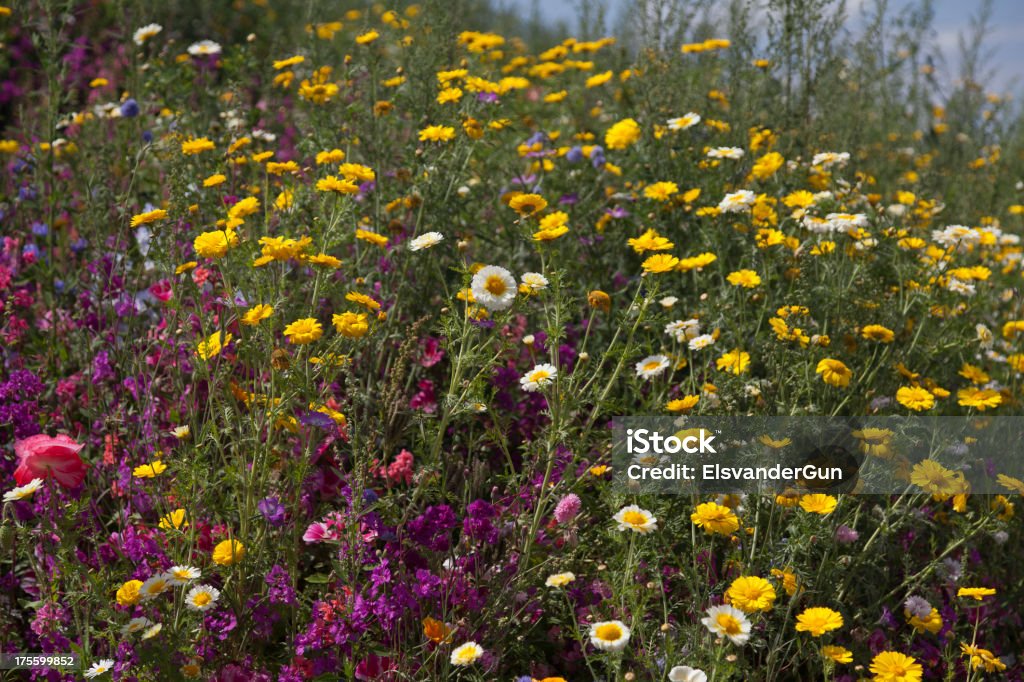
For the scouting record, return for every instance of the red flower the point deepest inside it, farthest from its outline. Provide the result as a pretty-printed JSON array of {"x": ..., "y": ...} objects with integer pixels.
[{"x": 43, "y": 456}]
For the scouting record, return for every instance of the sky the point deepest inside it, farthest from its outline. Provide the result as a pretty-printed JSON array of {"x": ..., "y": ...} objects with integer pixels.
[{"x": 1006, "y": 43}]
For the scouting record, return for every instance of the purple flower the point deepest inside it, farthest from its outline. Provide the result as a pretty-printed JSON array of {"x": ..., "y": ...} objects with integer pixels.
[
  {"x": 888, "y": 619},
  {"x": 318, "y": 419},
  {"x": 846, "y": 535},
  {"x": 280, "y": 584},
  {"x": 272, "y": 510},
  {"x": 538, "y": 136},
  {"x": 130, "y": 108},
  {"x": 951, "y": 569},
  {"x": 428, "y": 585},
  {"x": 477, "y": 524},
  {"x": 880, "y": 403},
  {"x": 16, "y": 406},
  {"x": 917, "y": 606},
  {"x": 381, "y": 574},
  {"x": 431, "y": 529},
  {"x": 220, "y": 623}
]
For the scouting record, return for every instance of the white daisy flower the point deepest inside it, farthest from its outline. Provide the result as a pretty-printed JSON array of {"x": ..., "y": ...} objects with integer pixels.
[
  {"x": 728, "y": 621},
  {"x": 537, "y": 378},
  {"x": 425, "y": 241},
  {"x": 984, "y": 335},
  {"x": 609, "y": 635},
  {"x": 534, "y": 281},
  {"x": 817, "y": 225},
  {"x": 204, "y": 47},
  {"x": 144, "y": 33},
  {"x": 100, "y": 667},
  {"x": 668, "y": 301},
  {"x": 726, "y": 153},
  {"x": 467, "y": 654},
  {"x": 956, "y": 235},
  {"x": 684, "y": 673},
  {"x": 683, "y": 122},
  {"x": 560, "y": 579},
  {"x": 23, "y": 492},
  {"x": 649, "y": 459},
  {"x": 636, "y": 519},
  {"x": 202, "y": 598},
  {"x": 494, "y": 287},
  {"x": 179, "y": 575},
  {"x": 961, "y": 287},
  {"x": 701, "y": 342},
  {"x": 829, "y": 159},
  {"x": 737, "y": 202},
  {"x": 652, "y": 366},
  {"x": 152, "y": 631},
  {"x": 847, "y": 222},
  {"x": 135, "y": 625},
  {"x": 181, "y": 432},
  {"x": 683, "y": 330},
  {"x": 155, "y": 586}
]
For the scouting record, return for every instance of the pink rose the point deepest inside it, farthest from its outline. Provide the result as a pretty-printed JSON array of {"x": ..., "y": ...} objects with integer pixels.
[{"x": 43, "y": 456}]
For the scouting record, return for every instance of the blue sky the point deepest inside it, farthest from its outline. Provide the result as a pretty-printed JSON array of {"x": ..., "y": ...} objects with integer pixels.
[{"x": 1006, "y": 41}]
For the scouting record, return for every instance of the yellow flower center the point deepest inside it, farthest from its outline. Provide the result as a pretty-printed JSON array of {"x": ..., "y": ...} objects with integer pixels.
[
  {"x": 728, "y": 624},
  {"x": 610, "y": 632},
  {"x": 634, "y": 518},
  {"x": 201, "y": 599},
  {"x": 495, "y": 285}
]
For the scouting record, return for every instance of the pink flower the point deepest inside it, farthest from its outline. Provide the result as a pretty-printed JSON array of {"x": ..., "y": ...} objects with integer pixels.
[
  {"x": 162, "y": 290},
  {"x": 375, "y": 667},
  {"x": 432, "y": 352},
  {"x": 425, "y": 399},
  {"x": 319, "y": 532},
  {"x": 42, "y": 456},
  {"x": 567, "y": 508},
  {"x": 401, "y": 469}
]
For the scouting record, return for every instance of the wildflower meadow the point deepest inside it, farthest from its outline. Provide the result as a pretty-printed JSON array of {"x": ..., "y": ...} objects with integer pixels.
[{"x": 316, "y": 319}]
